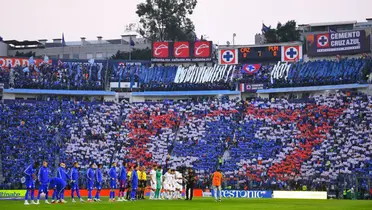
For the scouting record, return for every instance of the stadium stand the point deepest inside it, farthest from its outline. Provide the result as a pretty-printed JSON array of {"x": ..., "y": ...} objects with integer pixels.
[
  {"x": 313, "y": 73},
  {"x": 273, "y": 144},
  {"x": 66, "y": 76},
  {"x": 84, "y": 76}
]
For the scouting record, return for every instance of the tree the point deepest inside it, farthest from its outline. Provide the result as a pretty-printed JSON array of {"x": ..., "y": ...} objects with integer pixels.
[
  {"x": 271, "y": 37},
  {"x": 167, "y": 19},
  {"x": 137, "y": 54},
  {"x": 283, "y": 33}
]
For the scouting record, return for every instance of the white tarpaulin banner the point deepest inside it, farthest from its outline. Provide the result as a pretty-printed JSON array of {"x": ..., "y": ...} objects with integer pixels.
[
  {"x": 300, "y": 194},
  {"x": 203, "y": 74}
]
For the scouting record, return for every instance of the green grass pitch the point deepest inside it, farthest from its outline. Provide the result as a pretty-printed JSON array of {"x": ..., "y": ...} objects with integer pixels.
[{"x": 201, "y": 204}]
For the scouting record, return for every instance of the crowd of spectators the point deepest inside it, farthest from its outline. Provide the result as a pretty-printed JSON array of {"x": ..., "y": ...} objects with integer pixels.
[
  {"x": 262, "y": 76},
  {"x": 262, "y": 144},
  {"x": 312, "y": 73},
  {"x": 66, "y": 76},
  {"x": 161, "y": 78}
]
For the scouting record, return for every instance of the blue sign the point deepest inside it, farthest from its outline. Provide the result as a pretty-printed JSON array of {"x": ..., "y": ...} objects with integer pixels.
[
  {"x": 338, "y": 43},
  {"x": 245, "y": 194}
]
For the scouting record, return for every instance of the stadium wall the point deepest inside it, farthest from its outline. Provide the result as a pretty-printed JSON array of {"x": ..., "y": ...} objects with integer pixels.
[{"x": 3, "y": 49}]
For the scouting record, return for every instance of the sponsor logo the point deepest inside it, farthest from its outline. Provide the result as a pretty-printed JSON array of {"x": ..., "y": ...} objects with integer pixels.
[
  {"x": 323, "y": 40},
  {"x": 181, "y": 49},
  {"x": 291, "y": 53},
  {"x": 160, "y": 49},
  {"x": 228, "y": 57},
  {"x": 245, "y": 194},
  {"x": 251, "y": 87},
  {"x": 12, "y": 194},
  {"x": 6, "y": 61},
  {"x": 202, "y": 49},
  {"x": 207, "y": 194}
]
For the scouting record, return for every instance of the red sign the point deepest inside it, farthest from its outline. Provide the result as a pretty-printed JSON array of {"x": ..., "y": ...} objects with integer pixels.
[
  {"x": 5, "y": 61},
  {"x": 202, "y": 49},
  {"x": 291, "y": 53},
  {"x": 181, "y": 50},
  {"x": 228, "y": 56},
  {"x": 160, "y": 49}
]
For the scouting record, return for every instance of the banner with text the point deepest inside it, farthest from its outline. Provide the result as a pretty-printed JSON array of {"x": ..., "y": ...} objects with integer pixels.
[
  {"x": 339, "y": 43},
  {"x": 13, "y": 62},
  {"x": 245, "y": 194},
  {"x": 203, "y": 74},
  {"x": 300, "y": 194},
  {"x": 12, "y": 194},
  {"x": 78, "y": 62},
  {"x": 119, "y": 63},
  {"x": 250, "y": 87}
]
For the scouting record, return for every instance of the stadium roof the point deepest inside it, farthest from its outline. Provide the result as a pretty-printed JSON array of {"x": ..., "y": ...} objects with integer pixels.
[
  {"x": 312, "y": 88},
  {"x": 21, "y": 43},
  {"x": 186, "y": 93},
  {"x": 59, "y": 92},
  {"x": 261, "y": 45},
  {"x": 330, "y": 23}
]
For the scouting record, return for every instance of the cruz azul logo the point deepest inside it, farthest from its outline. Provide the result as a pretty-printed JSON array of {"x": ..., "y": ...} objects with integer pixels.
[
  {"x": 181, "y": 49},
  {"x": 322, "y": 40},
  {"x": 202, "y": 49},
  {"x": 160, "y": 49}
]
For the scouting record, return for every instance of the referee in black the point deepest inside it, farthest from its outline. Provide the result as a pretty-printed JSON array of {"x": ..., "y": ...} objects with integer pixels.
[{"x": 190, "y": 183}]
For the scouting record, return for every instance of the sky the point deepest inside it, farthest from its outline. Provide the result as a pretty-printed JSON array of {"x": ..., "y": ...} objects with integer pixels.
[{"x": 217, "y": 19}]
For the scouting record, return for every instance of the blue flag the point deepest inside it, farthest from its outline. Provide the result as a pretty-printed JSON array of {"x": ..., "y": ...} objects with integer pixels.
[
  {"x": 332, "y": 30},
  {"x": 120, "y": 74},
  {"x": 63, "y": 40},
  {"x": 265, "y": 28},
  {"x": 131, "y": 78},
  {"x": 31, "y": 61},
  {"x": 46, "y": 59},
  {"x": 131, "y": 42},
  {"x": 91, "y": 61},
  {"x": 70, "y": 68},
  {"x": 99, "y": 72}
]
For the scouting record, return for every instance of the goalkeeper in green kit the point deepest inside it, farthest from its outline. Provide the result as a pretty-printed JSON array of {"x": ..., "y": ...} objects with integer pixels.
[{"x": 158, "y": 182}]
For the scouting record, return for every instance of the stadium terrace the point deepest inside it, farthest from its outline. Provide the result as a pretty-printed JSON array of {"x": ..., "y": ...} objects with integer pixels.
[{"x": 265, "y": 121}]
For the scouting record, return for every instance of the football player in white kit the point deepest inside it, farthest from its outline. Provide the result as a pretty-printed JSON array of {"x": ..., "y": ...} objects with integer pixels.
[
  {"x": 153, "y": 182},
  {"x": 167, "y": 182},
  {"x": 178, "y": 185},
  {"x": 172, "y": 187}
]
